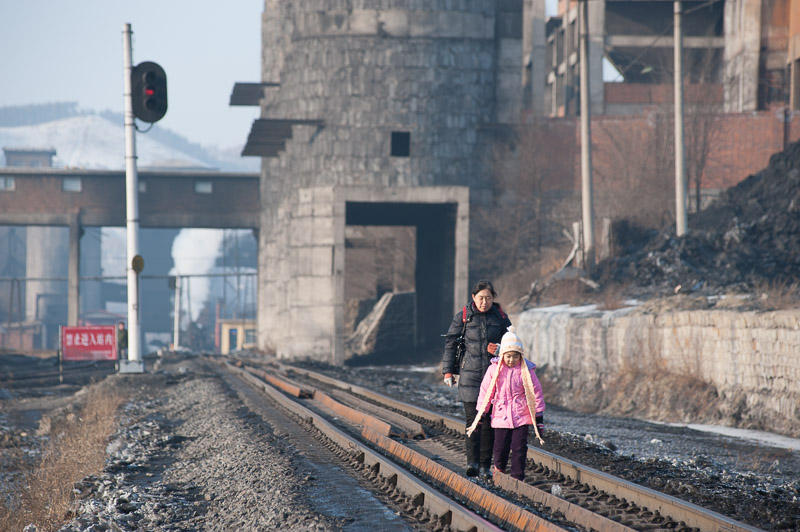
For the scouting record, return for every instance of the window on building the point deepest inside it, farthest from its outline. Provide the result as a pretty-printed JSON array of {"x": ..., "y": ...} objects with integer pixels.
[
  {"x": 142, "y": 186},
  {"x": 6, "y": 183},
  {"x": 203, "y": 187},
  {"x": 71, "y": 184},
  {"x": 250, "y": 336},
  {"x": 401, "y": 143}
]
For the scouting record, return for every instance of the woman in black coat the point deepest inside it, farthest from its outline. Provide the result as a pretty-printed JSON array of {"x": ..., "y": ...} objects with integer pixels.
[{"x": 484, "y": 324}]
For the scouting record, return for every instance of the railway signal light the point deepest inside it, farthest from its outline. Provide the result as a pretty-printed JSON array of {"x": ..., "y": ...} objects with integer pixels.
[{"x": 149, "y": 91}]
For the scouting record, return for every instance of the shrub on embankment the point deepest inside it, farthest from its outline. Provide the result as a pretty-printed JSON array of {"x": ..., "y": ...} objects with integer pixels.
[{"x": 75, "y": 449}]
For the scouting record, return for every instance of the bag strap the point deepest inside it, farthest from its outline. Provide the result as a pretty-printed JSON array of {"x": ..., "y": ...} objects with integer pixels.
[{"x": 464, "y": 321}]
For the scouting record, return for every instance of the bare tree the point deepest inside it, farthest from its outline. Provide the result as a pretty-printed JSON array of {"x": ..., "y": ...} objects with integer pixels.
[
  {"x": 532, "y": 169},
  {"x": 634, "y": 168},
  {"x": 702, "y": 117}
]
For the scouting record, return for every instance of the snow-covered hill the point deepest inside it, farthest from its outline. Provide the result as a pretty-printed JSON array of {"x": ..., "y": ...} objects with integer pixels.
[{"x": 93, "y": 141}]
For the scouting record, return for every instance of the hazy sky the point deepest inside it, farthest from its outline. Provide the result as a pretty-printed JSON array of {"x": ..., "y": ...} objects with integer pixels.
[{"x": 59, "y": 50}]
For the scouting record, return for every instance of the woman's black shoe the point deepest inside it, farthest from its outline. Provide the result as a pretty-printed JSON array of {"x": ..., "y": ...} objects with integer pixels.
[{"x": 472, "y": 470}]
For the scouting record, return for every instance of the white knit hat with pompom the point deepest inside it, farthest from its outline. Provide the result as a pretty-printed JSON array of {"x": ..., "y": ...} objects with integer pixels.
[{"x": 511, "y": 342}]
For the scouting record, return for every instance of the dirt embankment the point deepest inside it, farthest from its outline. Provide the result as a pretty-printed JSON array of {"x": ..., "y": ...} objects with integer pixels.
[{"x": 748, "y": 237}]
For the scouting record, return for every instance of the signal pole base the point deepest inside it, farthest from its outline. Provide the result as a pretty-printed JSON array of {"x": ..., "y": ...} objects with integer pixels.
[{"x": 131, "y": 366}]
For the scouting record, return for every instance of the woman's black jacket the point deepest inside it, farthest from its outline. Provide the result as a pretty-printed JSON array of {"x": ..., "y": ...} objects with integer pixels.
[{"x": 482, "y": 328}]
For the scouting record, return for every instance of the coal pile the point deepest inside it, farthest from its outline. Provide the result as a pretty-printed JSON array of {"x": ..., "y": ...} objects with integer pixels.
[{"x": 749, "y": 236}]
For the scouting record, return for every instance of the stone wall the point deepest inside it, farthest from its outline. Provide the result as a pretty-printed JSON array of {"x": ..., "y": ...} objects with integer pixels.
[{"x": 749, "y": 357}]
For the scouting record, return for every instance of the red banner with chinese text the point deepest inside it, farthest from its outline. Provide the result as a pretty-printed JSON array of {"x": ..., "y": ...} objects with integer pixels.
[{"x": 95, "y": 342}]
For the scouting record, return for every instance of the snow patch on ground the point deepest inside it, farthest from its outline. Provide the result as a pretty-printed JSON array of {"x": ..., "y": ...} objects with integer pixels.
[{"x": 768, "y": 438}]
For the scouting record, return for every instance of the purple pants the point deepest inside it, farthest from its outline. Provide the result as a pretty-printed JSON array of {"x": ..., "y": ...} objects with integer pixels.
[{"x": 514, "y": 441}]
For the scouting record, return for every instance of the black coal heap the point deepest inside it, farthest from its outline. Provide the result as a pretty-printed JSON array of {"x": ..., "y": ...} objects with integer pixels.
[{"x": 750, "y": 235}]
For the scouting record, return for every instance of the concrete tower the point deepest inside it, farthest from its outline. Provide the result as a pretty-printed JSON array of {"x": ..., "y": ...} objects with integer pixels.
[
  {"x": 379, "y": 114},
  {"x": 47, "y": 249}
]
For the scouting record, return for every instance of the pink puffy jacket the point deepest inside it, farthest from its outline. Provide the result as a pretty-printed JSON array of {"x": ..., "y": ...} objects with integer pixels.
[{"x": 510, "y": 406}]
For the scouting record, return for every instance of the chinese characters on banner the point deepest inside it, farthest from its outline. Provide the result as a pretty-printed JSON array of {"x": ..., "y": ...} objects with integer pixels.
[{"x": 95, "y": 342}]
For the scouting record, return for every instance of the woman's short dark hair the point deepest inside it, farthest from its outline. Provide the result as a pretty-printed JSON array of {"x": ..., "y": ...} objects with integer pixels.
[{"x": 483, "y": 285}]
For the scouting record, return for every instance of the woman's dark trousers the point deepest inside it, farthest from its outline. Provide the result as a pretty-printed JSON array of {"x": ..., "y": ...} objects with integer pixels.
[
  {"x": 515, "y": 441},
  {"x": 479, "y": 445}
]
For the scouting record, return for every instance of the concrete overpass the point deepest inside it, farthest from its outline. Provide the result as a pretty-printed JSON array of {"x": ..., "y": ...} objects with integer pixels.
[{"x": 82, "y": 198}]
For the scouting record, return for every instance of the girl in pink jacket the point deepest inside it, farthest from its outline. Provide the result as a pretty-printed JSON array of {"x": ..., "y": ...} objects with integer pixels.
[{"x": 514, "y": 392}]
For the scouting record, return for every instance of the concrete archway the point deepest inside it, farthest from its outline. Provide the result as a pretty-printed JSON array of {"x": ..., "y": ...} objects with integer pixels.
[{"x": 301, "y": 312}]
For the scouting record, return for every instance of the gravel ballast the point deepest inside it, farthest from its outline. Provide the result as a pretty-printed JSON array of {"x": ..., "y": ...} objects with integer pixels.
[{"x": 192, "y": 453}]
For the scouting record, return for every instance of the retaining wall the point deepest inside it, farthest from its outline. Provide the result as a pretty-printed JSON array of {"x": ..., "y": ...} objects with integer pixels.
[{"x": 747, "y": 356}]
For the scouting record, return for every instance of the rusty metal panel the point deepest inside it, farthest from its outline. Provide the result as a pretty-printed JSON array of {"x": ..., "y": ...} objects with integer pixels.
[
  {"x": 352, "y": 415},
  {"x": 431, "y": 416},
  {"x": 402, "y": 426},
  {"x": 284, "y": 384}
]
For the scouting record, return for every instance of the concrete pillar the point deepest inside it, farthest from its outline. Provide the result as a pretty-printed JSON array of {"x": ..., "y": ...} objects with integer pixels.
[
  {"x": 570, "y": 88},
  {"x": 90, "y": 266},
  {"x": 534, "y": 55},
  {"x": 45, "y": 298},
  {"x": 509, "y": 56},
  {"x": 742, "y": 53},
  {"x": 597, "y": 31},
  {"x": 74, "y": 270},
  {"x": 45, "y": 258}
]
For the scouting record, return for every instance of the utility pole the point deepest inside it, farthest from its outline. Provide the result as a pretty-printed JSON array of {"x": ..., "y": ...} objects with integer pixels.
[
  {"x": 586, "y": 140},
  {"x": 680, "y": 160},
  {"x": 134, "y": 363}
]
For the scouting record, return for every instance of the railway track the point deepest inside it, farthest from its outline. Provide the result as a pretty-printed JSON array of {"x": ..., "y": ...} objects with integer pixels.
[
  {"x": 420, "y": 454},
  {"x": 50, "y": 374}
]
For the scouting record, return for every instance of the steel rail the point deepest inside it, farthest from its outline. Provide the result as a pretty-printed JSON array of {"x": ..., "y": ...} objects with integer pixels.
[
  {"x": 397, "y": 424},
  {"x": 402, "y": 426},
  {"x": 500, "y": 509},
  {"x": 461, "y": 518},
  {"x": 352, "y": 415},
  {"x": 574, "y": 513},
  {"x": 436, "y": 503},
  {"x": 286, "y": 385},
  {"x": 677, "y": 509}
]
